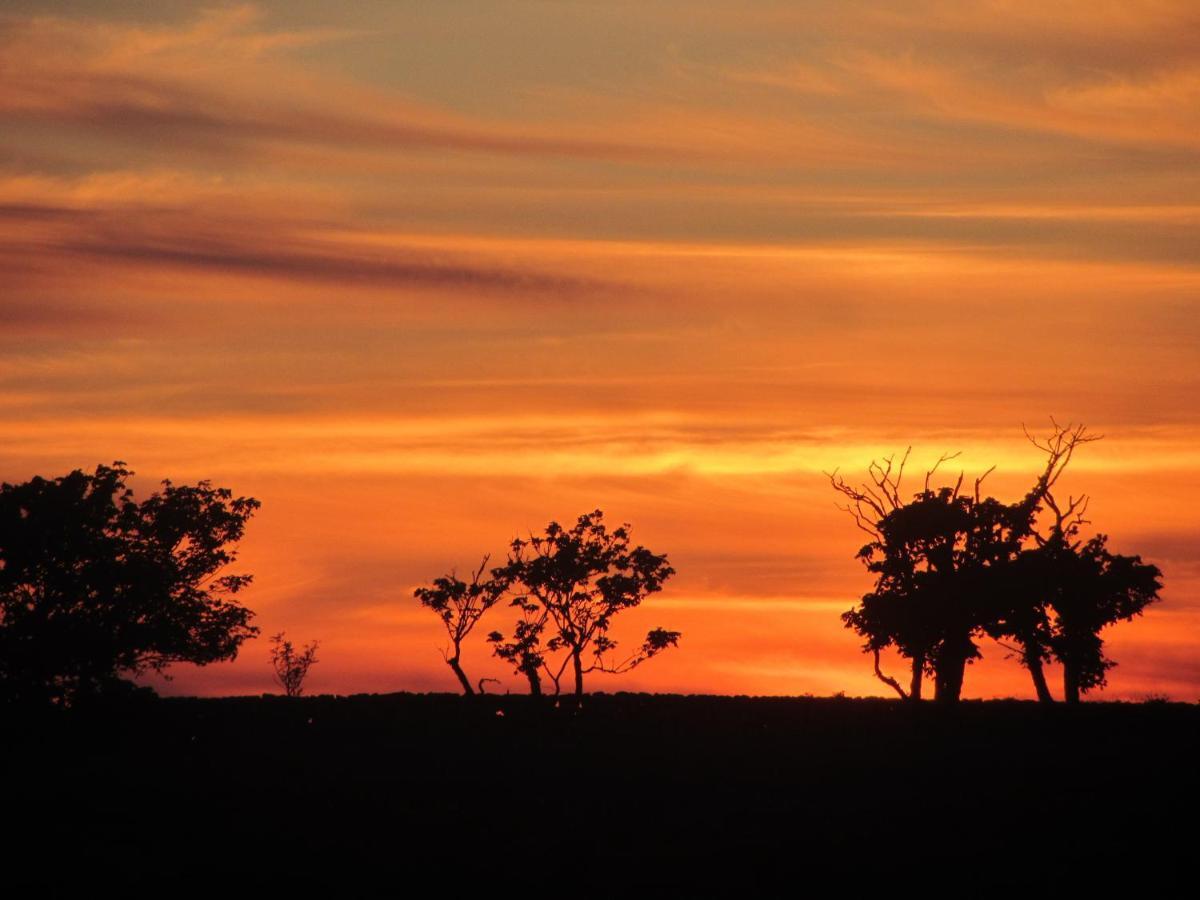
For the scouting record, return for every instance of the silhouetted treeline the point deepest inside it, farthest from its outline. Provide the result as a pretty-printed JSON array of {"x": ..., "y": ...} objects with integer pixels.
[{"x": 96, "y": 586}]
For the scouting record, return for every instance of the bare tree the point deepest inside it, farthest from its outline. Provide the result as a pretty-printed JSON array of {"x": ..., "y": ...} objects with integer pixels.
[
  {"x": 291, "y": 666},
  {"x": 460, "y": 605}
]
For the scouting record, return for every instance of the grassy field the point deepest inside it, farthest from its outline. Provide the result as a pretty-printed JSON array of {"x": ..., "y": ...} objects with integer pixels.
[{"x": 629, "y": 795}]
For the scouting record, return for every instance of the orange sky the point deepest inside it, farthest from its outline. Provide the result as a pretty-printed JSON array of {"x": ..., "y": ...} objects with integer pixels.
[{"x": 422, "y": 276}]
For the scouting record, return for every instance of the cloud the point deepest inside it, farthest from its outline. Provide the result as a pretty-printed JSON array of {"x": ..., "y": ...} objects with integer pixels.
[
  {"x": 1151, "y": 110},
  {"x": 215, "y": 87},
  {"x": 166, "y": 241},
  {"x": 168, "y": 220}
]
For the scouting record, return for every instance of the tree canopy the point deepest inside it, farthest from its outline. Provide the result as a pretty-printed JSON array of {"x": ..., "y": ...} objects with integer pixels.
[
  {"x": 95, "y": 584},
  {"x": 460, "y": 605},
  {"x": 567, "y": 585},
  {"x": 577, "y": 580},
  {"x": 1065, "y": 592}
]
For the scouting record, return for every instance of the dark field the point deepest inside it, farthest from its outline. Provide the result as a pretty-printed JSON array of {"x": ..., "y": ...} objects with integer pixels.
[{"x": 632, "y": 794}]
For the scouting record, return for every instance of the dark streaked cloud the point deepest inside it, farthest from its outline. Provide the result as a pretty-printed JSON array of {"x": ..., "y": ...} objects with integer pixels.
[{"x": 254, "y": 246}]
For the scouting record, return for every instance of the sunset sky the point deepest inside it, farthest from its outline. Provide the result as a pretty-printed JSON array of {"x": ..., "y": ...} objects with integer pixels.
[{"x": 422, "y": 277}]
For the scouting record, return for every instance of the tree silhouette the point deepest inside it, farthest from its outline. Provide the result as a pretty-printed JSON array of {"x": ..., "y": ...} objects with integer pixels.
[
  {"x": 1092, "y": 589},
  {"x": 1019, "y": 603},
  {"x": 572, "y": 582},
  {"x": 291, "y": 667},
  {"x": 460, "y": 605},
  {"x": 94, "y": 584},
  {"x": 1063, "y": 591},
  {"x": 931, "y": 556},
  {"x": 524, "y": 651},
  {"x": 945, "y": 567},
  {"x": 1066, "y": 592}
]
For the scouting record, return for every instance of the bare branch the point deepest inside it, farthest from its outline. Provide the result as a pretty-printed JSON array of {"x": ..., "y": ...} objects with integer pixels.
[
  {"x": 945, "y": 457},
  {"x": 979, "y": 481},
  {"x": 1059, "y": 448}
]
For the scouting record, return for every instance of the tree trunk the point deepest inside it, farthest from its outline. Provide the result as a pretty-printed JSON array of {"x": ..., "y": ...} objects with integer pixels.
[
  {"x": 918, "y": 677},
  {"x": 948, "y": 676},
  {"x": 948, "y": 681},
  {"x": 462, "y": 676},
  {"x": 1033, "y": 662},
  {"x": 1031, "y": 659},
  {"x": 1070, "y": 683},
  {"x": 535, "y": 682},
  {"x": 950, "y": 667},
  {"x": 577, "y": 662}
]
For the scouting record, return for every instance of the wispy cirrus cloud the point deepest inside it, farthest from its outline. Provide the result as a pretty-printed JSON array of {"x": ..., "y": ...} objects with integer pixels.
[{"x": 222, "y": 86}]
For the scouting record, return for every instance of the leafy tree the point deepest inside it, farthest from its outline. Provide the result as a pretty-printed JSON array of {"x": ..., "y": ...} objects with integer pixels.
[
  {"x": 1067, "y": 591},
  {"x": 1063, "y": 591},
  {"x": 1092, "y": 589},
  {"x": 931, "y": 556},
  {"x": 291, "y": 666},
  {"x": 1018, "y": 617},
  {"x": 460, "y": 605},
  {"x": 95, "y": 585},
  {"x": 572, "y": 583},
  {"x": 524, "y": 650},
  {"x": 944, "y": 566},
  {"x": 1016, "y": 603}
]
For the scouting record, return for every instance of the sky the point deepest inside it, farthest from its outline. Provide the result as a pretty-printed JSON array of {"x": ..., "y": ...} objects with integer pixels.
[{"x": 424, "y": 277}]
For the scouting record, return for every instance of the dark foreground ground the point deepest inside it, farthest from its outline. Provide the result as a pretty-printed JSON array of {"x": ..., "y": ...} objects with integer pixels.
[{"x": 632, "y": 795}]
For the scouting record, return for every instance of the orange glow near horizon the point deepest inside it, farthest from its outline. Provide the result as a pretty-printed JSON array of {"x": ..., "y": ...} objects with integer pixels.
[{"x": 421, "y": 279}]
